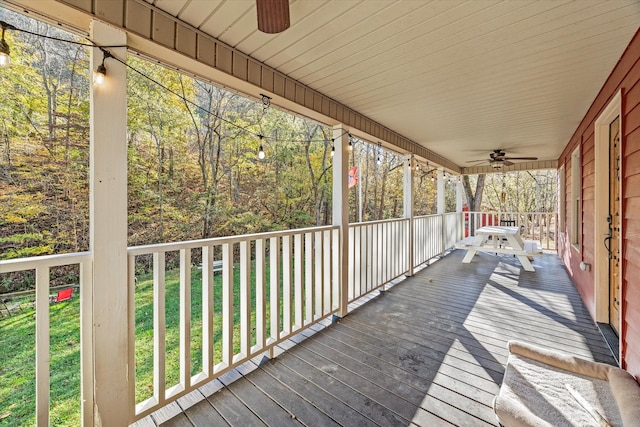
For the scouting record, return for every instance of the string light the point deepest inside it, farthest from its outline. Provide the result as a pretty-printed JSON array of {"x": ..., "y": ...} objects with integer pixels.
[
  {"x": 379, "y": 158},
  {"x": 101, "y": 72},
  {"x": 261, "y": 154},
  {"x": 5, "y": 59},
  {"x": 333, "y": 150}
]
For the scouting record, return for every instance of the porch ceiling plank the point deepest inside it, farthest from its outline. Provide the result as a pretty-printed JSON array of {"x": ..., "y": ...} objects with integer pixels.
[
  {"x": 430, "y": 351},
  {"x": 172, "y": 7},
  {"x": 314, "y": 48},
  {"x": 191, "y": 11},
  {"x": 225, "y": 16},
  {"x": 246, "y": 38},
  {"x": 310, "y": 24},
  {"x": 390, "y": 47}
]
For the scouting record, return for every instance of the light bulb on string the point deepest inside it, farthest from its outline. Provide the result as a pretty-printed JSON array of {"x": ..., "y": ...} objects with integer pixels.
[
  {"x": 100, "y": 74},
  {"x": 350, "y": 144},
  {"x": 5, "y": 51},
  {"x": 261, "y": 154},
  {"x": 333, "y": 150}
]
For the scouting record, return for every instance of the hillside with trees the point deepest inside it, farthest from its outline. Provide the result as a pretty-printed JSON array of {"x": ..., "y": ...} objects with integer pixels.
[{"x": 194, "y": 170}]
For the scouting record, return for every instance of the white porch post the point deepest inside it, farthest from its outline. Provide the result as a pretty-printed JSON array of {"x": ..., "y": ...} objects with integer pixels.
[
  {"x": 408, "y": 206},
  {"x": 441, "y": 205},
  {"x": 440, "y": 192},
  {"x": 341, "y": 209},
  {"x": 108, "y": 232},
  {"x": 459, "y": 194},
  {"x": 459, "y": 205}
]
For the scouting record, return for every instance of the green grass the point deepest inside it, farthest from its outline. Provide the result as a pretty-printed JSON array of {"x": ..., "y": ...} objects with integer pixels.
[{"x": 17, "y": 347}]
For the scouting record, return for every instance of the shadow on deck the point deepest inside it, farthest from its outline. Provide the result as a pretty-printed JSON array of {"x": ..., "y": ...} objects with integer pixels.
[{"x": 430, "y": 351}]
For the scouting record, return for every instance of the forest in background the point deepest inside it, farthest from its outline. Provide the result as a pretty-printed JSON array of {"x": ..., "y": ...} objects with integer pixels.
[{"x": 193, "y": 166}]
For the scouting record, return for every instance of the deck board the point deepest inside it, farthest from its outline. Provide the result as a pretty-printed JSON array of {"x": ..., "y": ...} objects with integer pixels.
[{"x": 430, "y": 351}]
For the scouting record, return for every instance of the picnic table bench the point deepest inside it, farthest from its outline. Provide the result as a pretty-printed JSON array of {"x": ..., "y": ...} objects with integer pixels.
[
  {"x": 486, "y": 240},
  {"x": 216, "y": 266}
]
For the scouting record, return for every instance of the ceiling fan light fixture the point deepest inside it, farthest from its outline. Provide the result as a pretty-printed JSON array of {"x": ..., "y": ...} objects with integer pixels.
[{"x": 273, "y": 15}]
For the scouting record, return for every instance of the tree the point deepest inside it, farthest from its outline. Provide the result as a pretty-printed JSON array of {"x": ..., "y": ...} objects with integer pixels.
[{"x": 474, "y": 200}]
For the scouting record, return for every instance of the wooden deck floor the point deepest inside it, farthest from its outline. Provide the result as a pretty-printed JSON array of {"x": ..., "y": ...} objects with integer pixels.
[{"x": 430, "y": 351}]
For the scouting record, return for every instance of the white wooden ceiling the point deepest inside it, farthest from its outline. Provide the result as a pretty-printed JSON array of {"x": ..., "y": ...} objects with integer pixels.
[{"x": 459, "y": 77}]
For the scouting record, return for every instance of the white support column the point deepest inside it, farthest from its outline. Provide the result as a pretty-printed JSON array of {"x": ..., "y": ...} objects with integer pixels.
[
  {"x": 108, "y": 232},
  {"x": 459, "y": 206},
  {"x": 341, "y": 208},
  {"x": 441, "y": 207},
  {"x": 408, "y": 205},
  {"x": 459, "y": 195},
  {"x": 440, "y": 191}
]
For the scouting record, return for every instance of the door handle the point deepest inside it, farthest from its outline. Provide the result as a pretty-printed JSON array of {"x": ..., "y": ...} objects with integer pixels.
[{"x": 607, "y": 244}]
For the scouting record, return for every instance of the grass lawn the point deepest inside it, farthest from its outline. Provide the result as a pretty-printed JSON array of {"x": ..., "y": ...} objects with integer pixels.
[{"x": 17, "y": 348}]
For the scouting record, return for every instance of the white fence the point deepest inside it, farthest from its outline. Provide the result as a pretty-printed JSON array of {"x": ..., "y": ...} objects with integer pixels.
[
  {"x": 43, "y": 267},
  {"x": 378, "y": 253},
  {"x": 255, "y": 292},
  {"x": 290, "y": 276}
]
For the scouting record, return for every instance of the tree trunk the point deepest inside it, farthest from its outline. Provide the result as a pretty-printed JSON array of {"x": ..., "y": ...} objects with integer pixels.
[{"x": 474, "y": 201}]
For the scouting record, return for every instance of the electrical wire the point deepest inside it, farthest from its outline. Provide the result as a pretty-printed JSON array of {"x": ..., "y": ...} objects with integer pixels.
[{"x": 156, "y": 82}]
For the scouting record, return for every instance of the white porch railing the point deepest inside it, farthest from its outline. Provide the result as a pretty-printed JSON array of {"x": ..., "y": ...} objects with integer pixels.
[
  {"x": 378, "y": 253},
  {"x": 291, "y": 275},
  {"x": 270, "y": 287},
  {"x": 43, "y": 267}
]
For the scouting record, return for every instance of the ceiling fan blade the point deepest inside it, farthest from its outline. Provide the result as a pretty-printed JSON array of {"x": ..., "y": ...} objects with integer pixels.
[
  {"x": 478, "y": 161},
  {"x": 507, "y": 162},
  {"x": 520, "y": 158},
  {"x": 273, "y": 15}
]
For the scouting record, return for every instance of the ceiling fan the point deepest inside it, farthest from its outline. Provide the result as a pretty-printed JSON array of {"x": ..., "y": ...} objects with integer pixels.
[
  {"x": 498, "y": 158},
  {"x": 273, "y": 15}
]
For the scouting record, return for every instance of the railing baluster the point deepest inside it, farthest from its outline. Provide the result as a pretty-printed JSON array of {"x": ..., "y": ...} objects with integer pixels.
[
  {"x": 351, "y": 263},
  {"x": 329, "y": 281},
  {"x": 261, "y": 295},
  {"x": 227, "y": 305},
  {"x": 87, "y": 322},
  {"x": 185, "y": 318},
  {"x": 159, "y": 327},
  {"x": 287, "y": 288},
  {"x": 245, "y": 298},
  {"x": 308, "y": 278},
  {"x": 298, "y": 255},
  {"x": 274, "y": 279},
  {"x": 363, "y": 259},
  {"x": 335, "y": 256},
  {"x": 86, "y": 341},
  {"x": 42, "y": 346},
  {"x": 208, "y": 362},
  {"x": 319, "y": 257}
]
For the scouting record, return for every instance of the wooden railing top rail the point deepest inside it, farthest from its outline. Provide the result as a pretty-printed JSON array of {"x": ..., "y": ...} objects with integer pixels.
[
  {"x": 21, "y": 264},
  {"x": 190, "y": 244}
]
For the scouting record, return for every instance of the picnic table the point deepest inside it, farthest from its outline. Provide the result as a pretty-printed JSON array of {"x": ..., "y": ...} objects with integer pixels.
[{"x": 486, "y": 240}]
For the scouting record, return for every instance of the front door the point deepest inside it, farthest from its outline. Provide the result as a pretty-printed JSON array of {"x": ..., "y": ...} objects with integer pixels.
[{"x": 615, "y": 258}]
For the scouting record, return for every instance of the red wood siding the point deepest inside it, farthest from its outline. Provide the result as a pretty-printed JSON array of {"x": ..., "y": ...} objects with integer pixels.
[{"x": 625, "y": 76}]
